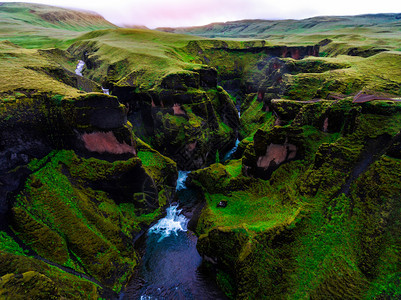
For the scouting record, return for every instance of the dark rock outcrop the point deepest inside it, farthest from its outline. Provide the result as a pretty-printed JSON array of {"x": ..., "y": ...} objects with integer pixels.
[{"x": 271, "y": 150}]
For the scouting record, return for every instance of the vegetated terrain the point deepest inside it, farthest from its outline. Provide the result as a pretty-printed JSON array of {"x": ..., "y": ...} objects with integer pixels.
[
  {"x": 42, "y": 26},
  {"x": 350, "y": 34},
  {"x": 308, "y": 208}
]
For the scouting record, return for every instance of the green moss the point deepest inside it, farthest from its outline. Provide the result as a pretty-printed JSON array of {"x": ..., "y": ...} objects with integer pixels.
[
  {"x": 371, "y": 74},
  {"x": 57, "y": 214},
  {"x": 8, "y": 244},
  {"x": 261, "y": 212},
  {"x": 162, "y": 169},
  {"x": 67, "y": 285},
  {"x": 226, "y": 284},
  {"x": 35, "y": 284},
  {"x": 234, "y": 168},
  {"x": 254, "y": 118},
  {"x": 388, "y": 287}
]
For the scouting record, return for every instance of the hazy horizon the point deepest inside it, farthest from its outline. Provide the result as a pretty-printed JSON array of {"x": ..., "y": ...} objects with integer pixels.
[{"x": 181, "y": 13}]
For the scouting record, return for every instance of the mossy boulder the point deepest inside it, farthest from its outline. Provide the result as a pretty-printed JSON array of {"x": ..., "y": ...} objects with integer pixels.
[
  {"x": 49, "y": 281},
  {"x": 180, "y": 81},
  {"x": 211, "y": 178},
  {"x": 94, "y": 111},
  {"x": 29, "y": 284}
]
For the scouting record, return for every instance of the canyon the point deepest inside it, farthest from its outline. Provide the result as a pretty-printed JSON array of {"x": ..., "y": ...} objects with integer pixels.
[{"x": 272, "y": 169}]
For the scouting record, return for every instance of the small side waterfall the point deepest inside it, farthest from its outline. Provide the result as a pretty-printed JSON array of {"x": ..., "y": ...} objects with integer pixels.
[
  {"x": 78, "y": 71},
  {"x": 182, "y": 176},
  {"x": 80, "y": 67}
]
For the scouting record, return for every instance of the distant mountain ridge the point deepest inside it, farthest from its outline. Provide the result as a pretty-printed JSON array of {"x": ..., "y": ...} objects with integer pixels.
[
  {"x": 362, "y": 35},
  {"x": 259, "y": 28}
]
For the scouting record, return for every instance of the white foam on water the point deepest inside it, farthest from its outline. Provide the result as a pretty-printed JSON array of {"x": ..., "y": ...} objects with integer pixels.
[
  {"x": 80, "y": 67},
  {"x": 170, "y": 224},
  {"x": 182, "y": 176}
]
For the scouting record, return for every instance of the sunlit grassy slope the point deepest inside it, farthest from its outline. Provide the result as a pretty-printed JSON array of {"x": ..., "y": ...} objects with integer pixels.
[
  {"x": 32, "y": 70},
  {"x": 42, "y": 26}
]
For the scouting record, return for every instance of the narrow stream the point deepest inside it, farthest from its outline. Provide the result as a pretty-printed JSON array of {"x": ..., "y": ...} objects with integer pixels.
[
  {"x": 171, "y": 266},
  {"x": 231, "y": 152}
]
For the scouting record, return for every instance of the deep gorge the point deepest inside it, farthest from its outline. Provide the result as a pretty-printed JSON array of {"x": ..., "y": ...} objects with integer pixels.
[{"x": 274, "y": 163}]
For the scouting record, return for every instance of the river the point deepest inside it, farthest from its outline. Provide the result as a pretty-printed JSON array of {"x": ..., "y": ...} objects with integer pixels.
[{"x": 171, "y": 266}]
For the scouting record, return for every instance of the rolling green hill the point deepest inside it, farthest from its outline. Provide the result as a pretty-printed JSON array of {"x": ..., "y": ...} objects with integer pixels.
[{"x": 41, "y": 26}]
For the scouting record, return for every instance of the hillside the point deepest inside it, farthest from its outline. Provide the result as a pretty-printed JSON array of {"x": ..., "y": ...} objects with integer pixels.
[
  {"x": 40, "y": 26},
  {"x": 345, "y": 32}
]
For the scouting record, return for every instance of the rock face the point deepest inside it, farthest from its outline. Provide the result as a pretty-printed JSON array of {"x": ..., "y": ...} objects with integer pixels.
[
  {"x": 189, "y": 119},
  {"x": 272, "y": 149},
  {"x": 40, "y": 125},
  {"x": 105, "y": 142}
]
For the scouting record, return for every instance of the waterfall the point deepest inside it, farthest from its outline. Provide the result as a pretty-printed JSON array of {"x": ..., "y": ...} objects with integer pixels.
[
  {"x": 80, "y": 67},
  {"x": 182, "y": 176},
  {"x": 171, "y": 265},
  {"x": 172, "y": 223},
  {"x": 78, "y": 71}
]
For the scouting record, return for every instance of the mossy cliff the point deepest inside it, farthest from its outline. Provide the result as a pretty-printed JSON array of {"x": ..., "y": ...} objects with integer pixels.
[
  {"x": 243, "y": 66},
  {"x": 82, "y": 216},
  {"x": 311, "y": 209},
  {"x": 77, "y": 186}
]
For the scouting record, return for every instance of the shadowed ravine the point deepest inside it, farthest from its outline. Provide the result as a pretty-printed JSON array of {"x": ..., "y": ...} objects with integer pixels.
[{"x": 171, "y": 266}]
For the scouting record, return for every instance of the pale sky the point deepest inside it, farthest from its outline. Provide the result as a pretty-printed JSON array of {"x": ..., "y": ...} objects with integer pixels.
[{"x": 175, "y": 13}]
